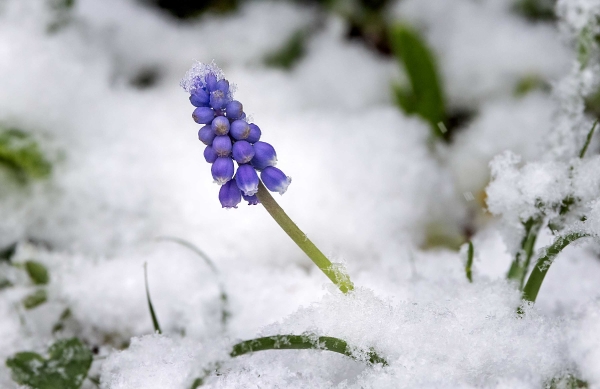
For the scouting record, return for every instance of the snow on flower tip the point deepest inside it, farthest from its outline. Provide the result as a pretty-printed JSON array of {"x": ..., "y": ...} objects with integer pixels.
[{"x": 228, "y": 136}]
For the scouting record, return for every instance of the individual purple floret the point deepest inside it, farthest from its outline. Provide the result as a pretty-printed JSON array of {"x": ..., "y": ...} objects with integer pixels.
[
  {"x": 200, "y": 98},
  {"x": 222, "y": 170},
  {"x": 222, "y": 145},
  {"x": 211, "y": 81},
  {"x": 203, "y": 115},
  {"x": 275, "y": 180},
  {"x": 234, "y": 109},
  {"x": 206, "y": 135},
  {"x": 230, "y": 195},
  {"x": 220, "y": 125},
  {"x": 243, "y": 152},
  {"x": 223, "y": 86},
  {"x": 218, "y": 99},
  {"x": 210, "y": 155},
  {"x": 228, "y": 136},
  {"x": 240, "y": 130},
  {"x": 247, "y": 180},
  {"x": 255, "y": 133},
  {"x": 264, "y": 155}
]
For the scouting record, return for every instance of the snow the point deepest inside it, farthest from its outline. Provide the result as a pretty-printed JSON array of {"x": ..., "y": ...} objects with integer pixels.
[{"x": 370, "y": 189}]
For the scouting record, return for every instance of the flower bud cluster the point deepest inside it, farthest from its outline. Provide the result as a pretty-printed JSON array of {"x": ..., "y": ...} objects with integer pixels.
[{"x": 229, "y": 137}]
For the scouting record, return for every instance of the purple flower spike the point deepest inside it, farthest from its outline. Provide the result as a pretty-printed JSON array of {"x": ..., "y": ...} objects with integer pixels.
[
  {"x": 229, "y": 137},
  {"x": 243, "y": 152},
  {"x": 218, "y": 99},
  {"x": 240, "y": 130},
  {"x": 210, "y": 155},
  {"x": 223, "y": 86},
  {"x": 255, "y": 133},
  {"x": 264, "y": 155},
  {"x": 220, "y": 125},
  {"x": 203, "y": 115},
  {"x": 275, "y": 180},
  {"x": 222, "y": 170},
  {"x": 211, "y": 81},
  {"x": 222, "y": 145},
  {"x": 234, "y": 109},
  {"x": 230, "y": 195},
  {"x": 247, "y": 180},
  {"x": 200, "y": 98},
  {"x": 206, "y": 135},
  {"x": 252, "y": 200}
]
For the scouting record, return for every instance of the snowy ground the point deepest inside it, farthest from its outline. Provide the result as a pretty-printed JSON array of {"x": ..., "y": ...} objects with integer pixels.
[{"x": 369, "y": 189}]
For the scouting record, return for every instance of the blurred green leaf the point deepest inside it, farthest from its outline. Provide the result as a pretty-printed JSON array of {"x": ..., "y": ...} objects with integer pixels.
[
  {"x": 290, "y": 53},
  {"x": 7, "y": 252},
  {"x": 37, "y": 272},
  {"x": 4, "y": 283},
  {"x": 65, "y": 368},
  {"x": 536, "y": 10},
  {"x": 35, "y": 299},
  {"x": 425, "y": 96},
  {"x": 60, "y": 325},
  {"x": 586, "y": 42},
  {"x": 62, "y": 4},
  {"x": 568, "y": 381},
  {"x": 20, "y": 154},
  {"x": 528, "y": 84}
]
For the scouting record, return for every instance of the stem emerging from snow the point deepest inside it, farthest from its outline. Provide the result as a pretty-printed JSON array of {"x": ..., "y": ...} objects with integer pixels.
[
  {"x": 534, "y": 283},
  {"x": 334, "y": 273}
]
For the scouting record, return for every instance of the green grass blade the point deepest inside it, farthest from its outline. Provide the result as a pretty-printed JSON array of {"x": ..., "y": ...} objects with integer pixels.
[
  {"x": 301, "y": 342},
  {"x": 588, "y": 140},
  {"x": 150, "y": 307},
  {"x": 195, "y": 249},
  {"x": 225, "y": 314},
  {"x": 534, "y": 283},
  {"x": 419, "y": 62},
  {"x": 469, "y": 265}
]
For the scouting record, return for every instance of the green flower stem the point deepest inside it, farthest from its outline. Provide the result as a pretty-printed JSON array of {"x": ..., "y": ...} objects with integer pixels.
[
  {"x": 300, "y": 342},
  {"x": 534, "y": 283},
  {"x": 335, "y": 274},
  {"x": 528, "y": 247},
  {"x": 520, "y": 266}
]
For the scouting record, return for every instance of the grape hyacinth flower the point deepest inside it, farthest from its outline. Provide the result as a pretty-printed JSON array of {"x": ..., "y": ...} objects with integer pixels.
[{"x": 229, "y": 137}]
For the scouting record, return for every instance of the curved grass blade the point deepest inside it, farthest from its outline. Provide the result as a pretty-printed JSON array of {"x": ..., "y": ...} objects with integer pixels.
[
  {"x": 150, "y": 307},
  {"x": 291, "y": 342},
  {"x": 225, "y": 314},
  {"x": 301, "y": 342},
  {"x": 469, "y": 265},
  {"x": 588, "y": 139},
  {"x": 534, "y": 283},
  {"x": 195, "y": 249}
]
